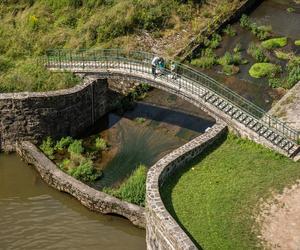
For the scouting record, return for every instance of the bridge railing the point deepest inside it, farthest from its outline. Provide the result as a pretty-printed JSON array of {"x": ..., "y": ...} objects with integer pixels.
[{"x": 70, "y": 58}]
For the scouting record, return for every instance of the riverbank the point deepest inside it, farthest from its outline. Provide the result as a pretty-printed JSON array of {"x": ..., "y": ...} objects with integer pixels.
[{"x": 215, "y": 197}]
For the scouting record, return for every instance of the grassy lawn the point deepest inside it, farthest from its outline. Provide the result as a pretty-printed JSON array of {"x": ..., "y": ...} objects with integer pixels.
[{"x": 216, "y": 196}]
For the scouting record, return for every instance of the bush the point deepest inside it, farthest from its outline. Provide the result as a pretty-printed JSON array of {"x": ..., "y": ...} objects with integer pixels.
[
  {"x": 293, "y": 77},
  {"x": 76, "y": 147},
  {"x": 214, "y": 42},
  {"x": 100, "y": 144},
  {"x": 230, "y": 69},
  {"x": 275, "y": 82},
  {"x": 257, "y": 53},
  {"x": 237, "y": 48},
  {"x": 63, "y": 143},
  {"x": 207, "y": 59},
  {"x": 229, "y": 31},
  {"x": 245, "y": 21},
  {"x": 259, "y": 70},
  {"x": 274, "y": 43},
  {"x": 133, "y": 189},
  {"x": 84, "y": 172},
  {"x": 47, "y": 147},
  {"x": 231, "y": 59}
]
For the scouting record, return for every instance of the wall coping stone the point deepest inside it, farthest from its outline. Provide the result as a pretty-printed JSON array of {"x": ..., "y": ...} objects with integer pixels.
[{"x": 159, "y": 221}]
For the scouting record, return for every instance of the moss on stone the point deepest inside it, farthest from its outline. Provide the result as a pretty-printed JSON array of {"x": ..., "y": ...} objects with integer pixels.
[
  {"x": 259, "y": 70},
  {"x": 297, "y": 42},
  {"x": 275, "y": 43}
]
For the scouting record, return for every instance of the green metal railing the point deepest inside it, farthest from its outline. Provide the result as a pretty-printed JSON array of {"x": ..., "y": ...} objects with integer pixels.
[{"x": 65, "y": 59}]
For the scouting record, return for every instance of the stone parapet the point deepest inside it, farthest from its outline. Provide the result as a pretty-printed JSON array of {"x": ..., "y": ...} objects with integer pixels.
[{"x": 162, "y": 231}]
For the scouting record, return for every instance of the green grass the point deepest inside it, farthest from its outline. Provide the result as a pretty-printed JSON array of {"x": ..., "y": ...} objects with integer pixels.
[
  {"x": 259, "y": 70},
  {"x": 215, "y": 197},
  {"x": 274, "y": 43}
]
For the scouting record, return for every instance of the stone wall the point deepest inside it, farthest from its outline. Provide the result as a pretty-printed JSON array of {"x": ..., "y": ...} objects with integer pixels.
[
  {"x": 162, "y": 231},
  {"x": 89, "y": 197},
  {"x": 32, "y": 116}
]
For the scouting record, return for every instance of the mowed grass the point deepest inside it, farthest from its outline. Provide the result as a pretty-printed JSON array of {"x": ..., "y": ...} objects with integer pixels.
[{"x": 215, "y": 197}]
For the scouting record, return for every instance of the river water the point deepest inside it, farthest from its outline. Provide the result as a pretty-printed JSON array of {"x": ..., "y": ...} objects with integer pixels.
[{"x": 36, "y": 216}]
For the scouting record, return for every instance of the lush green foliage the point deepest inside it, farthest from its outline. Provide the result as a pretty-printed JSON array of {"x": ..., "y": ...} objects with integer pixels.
[
  {"x": 283, "y": 55},
  {"x": 206, "y": 60},
  {"x": 47, "y": 147},
  {"x": 297, "y": 42},
  {"x": 133, "y": 189},
  {"x": 214, "y": 42},
  {"x": 262, "y": 32},
  {"x": 85, "y": 171},
  {"x": 274, "y": 43},
  {"x": 63, "y": 143},
  {"x": 259, "y": 70},
  {"x": 257, "y": 53},
  {"x": 215, "y": 198},
  {"x": 229, "y": 30},
  {"x": 76, "y": 147},
  {"x": 100, "y": 144}
]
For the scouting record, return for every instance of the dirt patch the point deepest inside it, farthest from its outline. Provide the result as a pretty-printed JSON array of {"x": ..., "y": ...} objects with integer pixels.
[{"x": 280, "y": 220}]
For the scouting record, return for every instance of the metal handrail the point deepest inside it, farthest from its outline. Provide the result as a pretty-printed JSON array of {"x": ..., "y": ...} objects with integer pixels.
[{"x": 83, "y": 55}]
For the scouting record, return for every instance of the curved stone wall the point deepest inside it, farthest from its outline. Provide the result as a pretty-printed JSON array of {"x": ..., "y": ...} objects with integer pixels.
[
  {"x": 89, "y": 197},
  {"x": 32, "y": 116},
  {"x": 162, "y": 231}
]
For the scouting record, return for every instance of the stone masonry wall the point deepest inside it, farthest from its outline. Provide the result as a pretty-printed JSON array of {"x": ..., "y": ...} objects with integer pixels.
[
  {"x": 89, "y": 197},
  {"x": 32, "y": 116},
  {"x": 162, "y": 231}
]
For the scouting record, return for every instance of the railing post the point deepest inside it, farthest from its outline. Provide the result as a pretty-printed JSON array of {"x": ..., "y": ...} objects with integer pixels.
[{"x": 59, "y": 59}]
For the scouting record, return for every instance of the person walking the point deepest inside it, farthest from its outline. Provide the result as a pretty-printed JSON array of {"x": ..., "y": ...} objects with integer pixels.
[{"x": 154, "y": 64}]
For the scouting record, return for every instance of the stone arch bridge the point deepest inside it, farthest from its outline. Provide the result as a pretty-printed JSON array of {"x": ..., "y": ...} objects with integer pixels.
[{"x": 197, "y": 88}]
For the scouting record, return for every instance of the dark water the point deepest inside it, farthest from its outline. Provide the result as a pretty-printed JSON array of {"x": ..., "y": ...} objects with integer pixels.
[
  {"x": 270, "y": 12},
  {"x": 134, "y": 143},
  {"x": 35, "y": 216}
]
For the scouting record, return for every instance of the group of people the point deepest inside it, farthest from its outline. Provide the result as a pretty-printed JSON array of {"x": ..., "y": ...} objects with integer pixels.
[{"x": 159, "y": 66}]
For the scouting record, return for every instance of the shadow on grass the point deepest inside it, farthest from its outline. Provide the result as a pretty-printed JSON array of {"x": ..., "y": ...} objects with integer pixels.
[{"x": 171, "y": 183}]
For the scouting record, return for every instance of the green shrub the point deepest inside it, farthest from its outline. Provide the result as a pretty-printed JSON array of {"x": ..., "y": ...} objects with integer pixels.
[
  {"x": 207, "y": 59},
  {"x": 47, "y": 147},
  {"x": 245, "y": 21},
  {"x": 133, "y": 189},
  {"x": 283, "y": 55},
  {"x": 140, "y": 120},
  {"x": 275, "y": 82},
  {"x": 257, "y": 53},
  {"x": 237, "y": 48},
  {"x": 293, "y": 77},
  {"x": 100, "y": 144},
  {"x": 297, "y": 42},
  {"x": 231, "y": 59},
  {"x": 274, "y": 43},
  {"x": 229, "y": 30},
  {"x": 290, "y": 10},
  {"x": 230, "y": 69},
  {"x": 63, "y": 143},
  {"x": 76, "y": 147},
  {"x": 214, "y": 42},
  {"x": 259, "y": 70},
  {"x": 293, "y": 62},
  {"x": 84, "y": 172},
  {"x": 64, "y": 164}
]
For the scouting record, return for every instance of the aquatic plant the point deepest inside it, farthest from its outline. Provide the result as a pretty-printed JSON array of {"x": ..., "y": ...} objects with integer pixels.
[
  {"x": 293, "y": 76},
  {"x": 297, "y": 42},
  {"x": 237, "y": 48},
  {"x": 283, "y": 55},
  {"x": 213, "y": 42},
  {"x": 229, "y": 30},
  {"x": 133, "y": 189},
  {"x": 47, "y": 147},
  {"x": 76, "y": 147},
  {"x": 63, "y": 143},
  {"x": 100, "y": 144},
  {"x": 140, "y": 120},
  {"x": 84, "y": 172},
  {"x": 257, "y": 52},
  {"x": 230, "y": 69},
  {"x": 290, "y": 9},
  {"x": 274, "y": 43},
  {"x": 275, "y": 82},
  {"x": 259, "y": 70},
  {"x": 206, "y": 60}
]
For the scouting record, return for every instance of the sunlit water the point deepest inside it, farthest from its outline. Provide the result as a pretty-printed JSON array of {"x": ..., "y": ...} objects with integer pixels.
[{"x": 36, "y": 216}]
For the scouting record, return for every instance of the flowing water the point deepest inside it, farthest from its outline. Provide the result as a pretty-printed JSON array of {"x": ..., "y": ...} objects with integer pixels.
[
  {"x": 36, "y": 216},
  {"x": 165, "y": 127}
]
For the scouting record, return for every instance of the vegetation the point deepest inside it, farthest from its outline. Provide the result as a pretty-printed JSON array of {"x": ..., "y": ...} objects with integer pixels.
[
  {"x": 206, "y": 60},
  {"x": 72, "y": 157},
  {"x": 133, "y": 189},
  {"x": 297, "y": 42},
  {"x": 215, "y": 198},
  {"x": 229, "y": 30},
  {"x": 257, "y": 52},
  {"x": 290, "y": 9},
  {"x": 262, "y": 32},
  {"x": 283, "y": 55},
  {"x": 214, "y": 42},
  {"x": 274, "y": 43},
  {"x": 259, "y": 70}
]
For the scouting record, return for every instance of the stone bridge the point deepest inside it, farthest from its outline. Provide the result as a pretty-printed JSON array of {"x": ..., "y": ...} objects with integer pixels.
[{"x": 220, "y": 102}]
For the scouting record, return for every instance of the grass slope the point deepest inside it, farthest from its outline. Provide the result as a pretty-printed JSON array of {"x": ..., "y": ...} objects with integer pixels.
[{"x": 215, "y": 197}]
